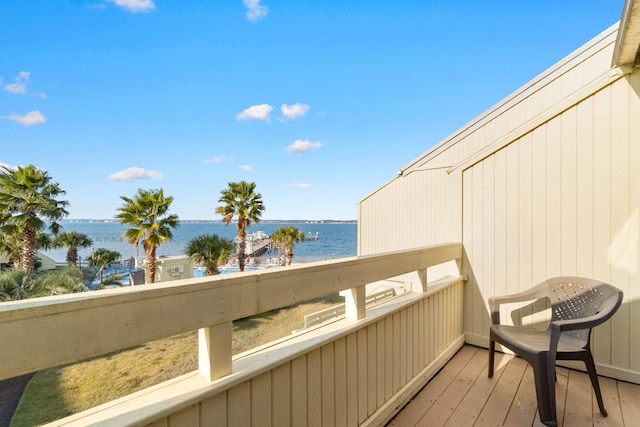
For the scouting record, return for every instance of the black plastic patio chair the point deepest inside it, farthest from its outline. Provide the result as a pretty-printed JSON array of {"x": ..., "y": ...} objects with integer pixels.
[{"x": 577, "y": 305}]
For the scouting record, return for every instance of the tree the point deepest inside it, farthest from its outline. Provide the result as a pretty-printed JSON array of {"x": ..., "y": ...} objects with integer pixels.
[
  {"x": 65, "y": 280},
  {"x": 72, "y": 240},
  {"x": 287, "y": 236},
  {"x": 209, "y": 250},
  {"x": 10, "y": 247},
  {"x": 28, "y": 198},
  {"x": 101, "y": 258},
  {"x": 148, "y": 215},
  {"x": 18, "y": 284},
  {"x": 240, "y": 200}
]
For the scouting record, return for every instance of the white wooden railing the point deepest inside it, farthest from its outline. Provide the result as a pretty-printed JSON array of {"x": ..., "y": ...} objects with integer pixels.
[{"x": 46, "y": 332}]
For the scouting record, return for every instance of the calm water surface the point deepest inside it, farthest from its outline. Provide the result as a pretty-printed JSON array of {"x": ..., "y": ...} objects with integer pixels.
[{"x": 335, "y": 240}]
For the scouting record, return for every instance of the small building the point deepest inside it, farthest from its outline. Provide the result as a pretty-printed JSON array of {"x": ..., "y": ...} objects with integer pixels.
[
  {"x": 173, "y": 268},
  {"x": 46, "y": 263}
]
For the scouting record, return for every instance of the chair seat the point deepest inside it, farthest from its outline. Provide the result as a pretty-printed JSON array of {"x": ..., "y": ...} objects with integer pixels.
[{"x": 531, "y": 340}]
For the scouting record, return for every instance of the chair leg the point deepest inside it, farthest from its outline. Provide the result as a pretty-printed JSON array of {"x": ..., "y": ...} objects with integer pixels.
[
  {"x": 492, "y": 349},
  {"x": 593, "y": 376},
  {"x": 544, "y": 375}
]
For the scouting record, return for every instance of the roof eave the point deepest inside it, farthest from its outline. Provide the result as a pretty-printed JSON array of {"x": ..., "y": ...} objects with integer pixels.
[{"x": 627, "y": 50}]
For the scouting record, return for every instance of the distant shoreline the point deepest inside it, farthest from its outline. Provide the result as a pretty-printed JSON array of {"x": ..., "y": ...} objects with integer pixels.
[{"x": 217, "y": 221}]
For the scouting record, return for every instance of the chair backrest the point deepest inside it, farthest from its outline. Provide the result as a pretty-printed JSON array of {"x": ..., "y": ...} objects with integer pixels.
[
  {"x": 136, "y": 277},
  {"x": 579, "y": 297}
]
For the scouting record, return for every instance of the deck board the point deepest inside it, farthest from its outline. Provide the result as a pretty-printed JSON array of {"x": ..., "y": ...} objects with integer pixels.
[{"x": 462, "y": 395}]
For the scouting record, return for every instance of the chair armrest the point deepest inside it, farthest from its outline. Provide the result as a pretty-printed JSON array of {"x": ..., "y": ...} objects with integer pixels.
[
  {"x": 534, "y": 293},
  {"x": 574, "y": 324},
  {"x": 556, "y": 328}
]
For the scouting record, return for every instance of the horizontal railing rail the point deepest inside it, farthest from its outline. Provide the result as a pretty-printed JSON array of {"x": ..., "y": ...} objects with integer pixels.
[{"x": 51, "y": 331}]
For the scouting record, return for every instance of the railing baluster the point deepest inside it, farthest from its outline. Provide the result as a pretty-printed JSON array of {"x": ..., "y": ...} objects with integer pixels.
[
  {"x": 214, "y": 351},
  {"x": 355, "y": 303},
  {"x": 422, "y": 274}
]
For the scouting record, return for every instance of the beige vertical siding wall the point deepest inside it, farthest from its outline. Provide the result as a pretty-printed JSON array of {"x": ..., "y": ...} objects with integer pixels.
[
  {"x": 411, "y": 212},
  {"x": 546, "y": 183},
  {"x": 424, "y": 205},
  {"x": 564, "y": 199}
]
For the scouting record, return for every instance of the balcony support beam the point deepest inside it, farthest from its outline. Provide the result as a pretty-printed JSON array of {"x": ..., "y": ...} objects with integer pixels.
[{"x": 214, "y": 351}]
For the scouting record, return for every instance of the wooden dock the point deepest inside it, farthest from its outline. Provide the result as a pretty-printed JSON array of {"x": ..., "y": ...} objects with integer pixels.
[
  {"x": 310, "y": 236},
  {"x": 256, "y": 246}
]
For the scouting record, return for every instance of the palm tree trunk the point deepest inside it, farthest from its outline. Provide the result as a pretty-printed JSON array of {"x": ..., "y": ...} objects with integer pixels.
[
  {"x": 288, "y": 254},
  {"x": 242, "y": 237},
  {"x": 151, "y": 263},
  {"x": 241, "y": 252},
  {"x": 72, "y": 256},
  {"x": 29, "y": 249}
]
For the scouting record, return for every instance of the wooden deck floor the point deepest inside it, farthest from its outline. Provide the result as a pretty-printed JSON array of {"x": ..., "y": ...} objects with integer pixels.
[{"x": 462, "y": 395}]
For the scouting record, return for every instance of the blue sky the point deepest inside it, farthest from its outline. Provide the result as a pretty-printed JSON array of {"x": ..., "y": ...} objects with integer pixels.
[{"x": 318, "y": 102}]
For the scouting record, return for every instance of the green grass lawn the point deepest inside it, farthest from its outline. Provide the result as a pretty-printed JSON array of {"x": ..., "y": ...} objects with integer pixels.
[{"x": 59, "y": 392}]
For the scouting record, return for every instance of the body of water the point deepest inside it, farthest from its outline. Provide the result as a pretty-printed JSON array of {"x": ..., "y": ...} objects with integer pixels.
[{"x": 334, "y": 240}]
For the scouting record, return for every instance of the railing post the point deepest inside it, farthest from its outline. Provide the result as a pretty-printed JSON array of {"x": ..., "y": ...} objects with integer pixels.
[
  {"x": 460, "y": 265},
  {"x": 214, "y": 351},
  {"x": 422, "y": 274},
  {"x": 354, "y": 303}
]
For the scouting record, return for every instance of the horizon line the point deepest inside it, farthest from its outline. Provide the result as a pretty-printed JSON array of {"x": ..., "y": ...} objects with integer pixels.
[{"x": 219, "y": 220}]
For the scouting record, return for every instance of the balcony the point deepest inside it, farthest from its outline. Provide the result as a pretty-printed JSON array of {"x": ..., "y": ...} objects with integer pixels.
[{"x": 359, "y": 369}]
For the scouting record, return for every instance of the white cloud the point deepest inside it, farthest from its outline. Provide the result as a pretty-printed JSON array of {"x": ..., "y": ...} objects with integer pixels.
[
  {"x": 20, "y": 86},
  {"x": 301, "y": 146},
  {"x": 217, "y": 159},
  {"x": 255, "y": 11},
  {"x": 301, "y": 185},
  {"x": 135, "y": 6},
  {"x": 33, "y": 118},
  {"x": 247, "y": 168},
  {"x": 134, "y": 174},
  {"x": 256, "y": 112},
  {"x": 292, "y": 112}
]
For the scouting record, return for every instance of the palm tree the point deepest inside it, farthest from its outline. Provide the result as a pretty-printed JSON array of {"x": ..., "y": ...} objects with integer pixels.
[
  {"x": 101, "y": 258},
  {"x": 65, "y": 280},
  {"x": 28, "y": 198},
  {"x": 209, "y": 250},
  {"x": 240, "y": 200},
  {"x": 19, "y": 284},
  {"x": 287, "y": 236},
  {"x": 10, "y": 247},
  {"x": 72, "y": 240},
  {"x": 147, "y": 214}
]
